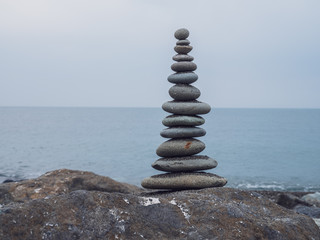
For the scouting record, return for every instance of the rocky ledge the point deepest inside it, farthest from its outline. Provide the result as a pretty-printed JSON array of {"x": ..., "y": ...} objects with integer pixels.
[{"x": 67, "y": 204}]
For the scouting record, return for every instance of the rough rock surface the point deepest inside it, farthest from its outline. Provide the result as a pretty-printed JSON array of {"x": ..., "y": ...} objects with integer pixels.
[
  {"x": 215, "y": 213},
  {"x": 60, "y": 182}
]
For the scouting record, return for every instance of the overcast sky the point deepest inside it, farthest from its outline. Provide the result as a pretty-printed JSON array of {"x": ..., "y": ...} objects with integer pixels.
[{"x": 118, "y": 53}]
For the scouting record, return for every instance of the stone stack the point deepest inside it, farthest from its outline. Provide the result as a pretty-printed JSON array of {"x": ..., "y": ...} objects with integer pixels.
[{"x": 178, "y": 155}]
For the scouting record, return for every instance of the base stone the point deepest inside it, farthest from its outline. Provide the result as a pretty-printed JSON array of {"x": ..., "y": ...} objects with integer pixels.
[{"x": 183, "y": 180}]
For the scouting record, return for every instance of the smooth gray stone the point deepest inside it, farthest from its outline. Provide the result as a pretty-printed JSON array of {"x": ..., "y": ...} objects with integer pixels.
[
  {"x": 182, "y": 132},
  {"x": 193, "y": 180},
  {"x": 183, "y": 49},
  {"x": 184, "y": 92},
  {"x": 180, "y": 147},
  {"x": 187, "y": 77},
  {"x": 184, "y": 66},
  {"x": 185, "y": 164},
  {"x": 183, "y": 42},
  {"x": 186, "y": 108},
  {"x": 180, "y": 120},
  {"x": 182, "y": 57},
  {"x": 181, "y": 34}
]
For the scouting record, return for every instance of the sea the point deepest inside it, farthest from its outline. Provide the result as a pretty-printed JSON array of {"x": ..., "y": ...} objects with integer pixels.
[{"x": 256, "y": 149}]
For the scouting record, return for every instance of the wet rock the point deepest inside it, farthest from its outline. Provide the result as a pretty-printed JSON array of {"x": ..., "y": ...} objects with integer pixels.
[
  {"x": 310, "y": 211},
  {"x": 288, "y": 200},
  {"x": 312, "y": 198}
]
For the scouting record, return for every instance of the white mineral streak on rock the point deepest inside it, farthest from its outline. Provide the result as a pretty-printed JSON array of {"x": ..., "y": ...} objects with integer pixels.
[
  {"x": 114, "y": 213},
  {"x": 286, "y": 220},
  {"x": 183, "y": 209},
  {"x": 146, "y": 201},
  {"x": 135, "y": 233},
  {"x": 120, "y": 222},
  {"x": 317, "y": 221}
]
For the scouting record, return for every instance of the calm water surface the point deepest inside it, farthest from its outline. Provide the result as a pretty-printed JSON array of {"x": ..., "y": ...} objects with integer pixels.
[{"x": 275, "y": 149}]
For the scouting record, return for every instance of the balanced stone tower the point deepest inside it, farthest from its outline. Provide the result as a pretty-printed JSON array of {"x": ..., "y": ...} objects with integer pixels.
[{"x": 178, "y": 155}]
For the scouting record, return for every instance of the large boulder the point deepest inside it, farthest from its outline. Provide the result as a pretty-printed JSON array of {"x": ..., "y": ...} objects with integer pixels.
[
  {"x": 215, "y": 213},
  {"x": 61, "y": 182}
]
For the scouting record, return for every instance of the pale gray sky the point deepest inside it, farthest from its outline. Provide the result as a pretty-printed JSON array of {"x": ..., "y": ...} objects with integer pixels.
[{"x": 118, "y": 53}]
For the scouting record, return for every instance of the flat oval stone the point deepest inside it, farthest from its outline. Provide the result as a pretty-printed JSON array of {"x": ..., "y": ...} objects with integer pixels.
[
  {"x": 185, "y": 164},
  {"x": 184, "y": 92},
  {"x": 187, "y": 77},
  {"x": 184, "y": 66},
  {"x": 182, "y": 181},
  {"x": 186, "y": 108},
  {"x": 182, "y": 132},
  {"x": 180, "y": 147},
  {"x": 182, "y": 57},
  {"x": 183, "y": 42},
  {"x": 181, "y": 34},
  {"x": 181, "y": 120},
  {"x": 183, "y": 49}
]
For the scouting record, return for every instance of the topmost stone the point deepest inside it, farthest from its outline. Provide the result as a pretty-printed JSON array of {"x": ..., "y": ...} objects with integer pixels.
[{"x": 181, "y": 34}]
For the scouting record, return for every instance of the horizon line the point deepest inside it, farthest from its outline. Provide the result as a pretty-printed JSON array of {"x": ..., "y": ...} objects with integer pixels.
[{"x": 154, "y": 107}]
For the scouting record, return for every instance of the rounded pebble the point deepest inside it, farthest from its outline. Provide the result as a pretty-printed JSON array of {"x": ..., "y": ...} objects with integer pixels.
[
  {"x": 183, "y": 42},
  {"x": 183, "y": 66},
  {"x": 181, "y": 34},
  {"x": 186, "y": 108},
  {"x": 184, "y": 164},
  {"x": 183, "y": 77},
  {"x": 180, "y": 120},
  {"x": 184, "y": 92},
  {"x": 181, "y": 181},
  {"x": 182, "y": 132},
  {"x": 182, "y": 57},
  {"x": 183, "y": 49},
  {"x": 180, "y": 147}
]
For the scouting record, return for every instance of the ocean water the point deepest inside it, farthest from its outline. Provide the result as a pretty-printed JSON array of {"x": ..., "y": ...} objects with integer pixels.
[{"x": 272, "y": 149}]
